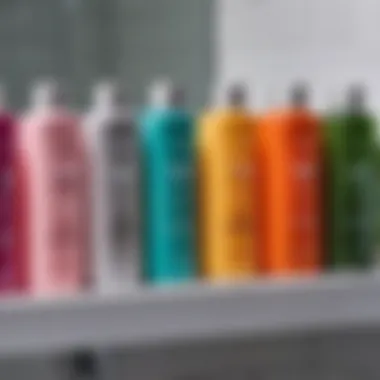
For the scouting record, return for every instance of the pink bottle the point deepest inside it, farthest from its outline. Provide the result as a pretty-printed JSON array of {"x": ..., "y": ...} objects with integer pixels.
[
  {"x": 53, "y": 179},
  {"x": 9, "y": 259}
]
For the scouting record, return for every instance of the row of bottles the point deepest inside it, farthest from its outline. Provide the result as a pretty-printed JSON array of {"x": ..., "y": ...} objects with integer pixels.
[
  {"x": 262, "y": 189},
  {"x": 289, "y": 191},
  {"x": 108, "y": 199}
]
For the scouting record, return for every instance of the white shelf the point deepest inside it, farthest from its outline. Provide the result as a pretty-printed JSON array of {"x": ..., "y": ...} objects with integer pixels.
[{"x": 189, "y": 313}]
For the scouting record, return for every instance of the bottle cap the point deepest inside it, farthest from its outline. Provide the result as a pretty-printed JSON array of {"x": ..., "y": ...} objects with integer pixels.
[
  {"x": 356, "y": 98},
  {"x": 47, "y": 93},
  {"x": 163, "y": 93},
  {"x": 300, "y": 95},
  {"x": 107, "y": 94},
  {"x": 236, "y": 95}
]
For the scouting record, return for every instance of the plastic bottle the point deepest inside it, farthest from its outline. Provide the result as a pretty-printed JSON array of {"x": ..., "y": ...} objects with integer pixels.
[
  {"x": 112, "y": 142},
  {"x": 54, "y": 196},
  {"x": 168, "y": 159},
  {"x": 10, "y": 260},
  {"x": 351, "y": 183},
  {"x": 290, "y": 180},
  {"x": 225, "y": 151}
]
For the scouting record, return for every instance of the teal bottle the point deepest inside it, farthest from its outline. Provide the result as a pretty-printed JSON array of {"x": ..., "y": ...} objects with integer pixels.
[
  {"x": 351, "y": 184},
  {"x": 168, "y": 188}
]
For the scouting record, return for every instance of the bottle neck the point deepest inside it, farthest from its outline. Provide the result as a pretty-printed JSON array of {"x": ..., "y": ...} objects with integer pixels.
[
  {"x": 108, "y": 97},
  {"x": 166, "y": 96},
  {"x": 46, "y": 107},
  {"x": 299, "y": 97},
  {"x": 235, "y": 105},
  {"x": 356, "y": 107},
  {"x": 236, "y": 97},
  {"x": 356, "y": 100},
  {"x": 47, "y": 96},
  {"x": 166, "y": 103},
  {"x": 107, "y": 107}
]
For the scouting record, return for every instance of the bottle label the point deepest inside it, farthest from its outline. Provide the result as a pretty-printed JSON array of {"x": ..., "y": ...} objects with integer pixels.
[
  {"x": 67, "y": 203},
  {"x": 305, "y": 175},
  {"x": 180, "y": 177},
  {"x": 6, "y": 244},
  {"x": 304, "y": 213},
  {"x": 242, "y": 171},
  {"x": 6, "y": 180},
  {"x": 240, "y": 215},
  {"x": 6, "y": 227},
  {"x": 360, "y": 206},
  {"x": 65, "y": 208},
  {"x": 66, "y": 177},
  {"x": 121, "y": 185}
]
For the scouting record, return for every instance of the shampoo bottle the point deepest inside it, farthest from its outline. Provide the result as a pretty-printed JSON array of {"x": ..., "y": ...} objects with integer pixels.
[
  {"x": 112, "y": 142},
  {"x": 351, "y": 183},
  {"x": 10, "y": 260},
  {"x": 226, "y": 191},
  {"x": 169, "y": 216},
  {"x": 289, "y": 175},
  {"x": 53, "y": 177}
]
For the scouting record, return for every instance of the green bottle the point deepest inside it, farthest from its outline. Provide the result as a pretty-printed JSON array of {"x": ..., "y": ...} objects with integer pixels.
[{"x": 351, "y": 183}]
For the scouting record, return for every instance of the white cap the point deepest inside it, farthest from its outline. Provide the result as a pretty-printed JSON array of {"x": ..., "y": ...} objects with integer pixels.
[
  {"x": 47, "y": 93},
  {"x": 107, "y": 93},
  {"x": 163, "y": 93}
]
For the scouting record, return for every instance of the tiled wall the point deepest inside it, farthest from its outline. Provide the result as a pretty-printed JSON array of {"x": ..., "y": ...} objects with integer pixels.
[
  {"x": 168, "y": 37},
  {"x": 80, "y": 40}
]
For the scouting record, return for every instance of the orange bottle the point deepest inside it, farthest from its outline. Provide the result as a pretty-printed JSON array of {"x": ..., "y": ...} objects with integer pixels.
[
  {"x": 225, "y": 191},
  {"x": 289, "y": 178}
]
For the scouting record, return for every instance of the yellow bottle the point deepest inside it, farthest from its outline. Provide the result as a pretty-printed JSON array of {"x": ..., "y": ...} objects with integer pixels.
[{"x": 225, "y": 145}]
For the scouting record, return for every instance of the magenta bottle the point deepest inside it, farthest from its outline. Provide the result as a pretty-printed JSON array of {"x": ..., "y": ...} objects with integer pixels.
[
  {"x": 9, "y": 259},
  {"x": 55, "y": 195}
]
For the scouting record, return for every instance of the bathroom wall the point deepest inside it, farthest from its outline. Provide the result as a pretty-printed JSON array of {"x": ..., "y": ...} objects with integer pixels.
[{"x": 79, "y": 41}]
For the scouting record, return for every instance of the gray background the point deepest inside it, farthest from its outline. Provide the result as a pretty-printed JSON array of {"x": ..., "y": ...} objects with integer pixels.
[{"x": 79, "y": 41}]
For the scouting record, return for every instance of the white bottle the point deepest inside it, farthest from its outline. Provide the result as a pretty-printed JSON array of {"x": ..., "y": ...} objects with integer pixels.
[{"x": 112, "y": 142}]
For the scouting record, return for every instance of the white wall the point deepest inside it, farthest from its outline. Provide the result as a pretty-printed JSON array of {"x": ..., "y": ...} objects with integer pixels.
[{"x": 270, "y": 43}]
